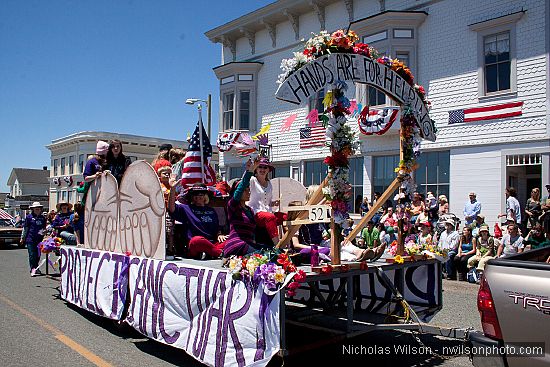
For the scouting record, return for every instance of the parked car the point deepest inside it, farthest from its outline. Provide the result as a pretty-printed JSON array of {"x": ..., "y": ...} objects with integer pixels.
[
  {"x": 9, "y": 233},
  {"x": 514, "y": 305}
]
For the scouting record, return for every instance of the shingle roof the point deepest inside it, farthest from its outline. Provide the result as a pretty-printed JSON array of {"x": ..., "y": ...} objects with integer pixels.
[{"x": 31, "y": 175}]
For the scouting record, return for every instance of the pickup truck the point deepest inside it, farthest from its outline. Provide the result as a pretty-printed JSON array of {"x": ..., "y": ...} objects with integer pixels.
[
  {"x": 9, "y": 233},
  {"x": 514, "y": 305}
]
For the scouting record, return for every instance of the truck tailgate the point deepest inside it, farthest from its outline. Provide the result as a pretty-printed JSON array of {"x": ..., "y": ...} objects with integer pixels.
[{"x": 521, "y": 294}]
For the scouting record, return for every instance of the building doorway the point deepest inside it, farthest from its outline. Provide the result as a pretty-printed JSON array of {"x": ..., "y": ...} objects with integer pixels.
[{"x": 524, "y": 173}]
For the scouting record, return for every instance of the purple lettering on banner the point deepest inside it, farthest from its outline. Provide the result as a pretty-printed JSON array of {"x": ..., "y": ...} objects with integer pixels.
[
  {"x": 70, "y": 281},
  {"x": 106, "y": 256},
  {"x": 154, "y": 280},
  {"x": 118, "y": 259},
  {"x": 188, "y": 273},
  {"x": 78, "y": 277},
  {"x": 228, "y": 325},
  {"x": 215, "y": 312},
  {"x": 170, "y": 339},
  {"x": 93, "y": 255},
  {"x": 137, "y": 290},
  {"x": 64, "y": 255},
  {"x": 201, "y": 320}
]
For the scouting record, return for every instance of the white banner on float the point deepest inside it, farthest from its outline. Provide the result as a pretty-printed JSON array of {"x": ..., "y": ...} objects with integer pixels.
[
  {"x": 94, "y": 280},
  {"x": 218, "y": 321}
]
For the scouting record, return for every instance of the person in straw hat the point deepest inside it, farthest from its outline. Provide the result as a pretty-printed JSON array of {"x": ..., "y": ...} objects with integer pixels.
[
  {"x": 62, "y": 222},
  {"x": 33, "y": 233},
  {"x": 486, "y": 250}
]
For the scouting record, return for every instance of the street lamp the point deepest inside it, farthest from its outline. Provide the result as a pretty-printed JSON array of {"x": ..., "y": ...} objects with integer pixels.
[{"x": 209, "y": 110}]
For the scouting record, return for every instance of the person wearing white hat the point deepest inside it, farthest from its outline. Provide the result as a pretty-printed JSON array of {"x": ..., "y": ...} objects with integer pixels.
[
  {"x": 33, "y": 233},
  {"x": 448, "y": 240}
]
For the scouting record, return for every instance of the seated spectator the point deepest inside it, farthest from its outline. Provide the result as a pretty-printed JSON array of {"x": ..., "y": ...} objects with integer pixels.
[
  {"x": 388, "y": 237},
  {"x": 467, "y": 248},
  {"x": 200, "y": 220},
  {"x": 62, "y": 223},
  {"x": 512, "y": 242},
  {"x": 370, "y": 237},
  {"x": 476, "y": 224},
  {"x": 422, "y": 218},
  {"x": 365, "y": 206},
  {"x": 417, "y": 207},
  {"x": 486, "y": 249},
  {"x": 389, "y": 219},
  {"x": 535, "y": 239},
  {"x": 242, "y": 225},
  {"x": 425, "y": 236},
  {"x": 443, "y": 205},
  {"x": 448, "y": 241}
]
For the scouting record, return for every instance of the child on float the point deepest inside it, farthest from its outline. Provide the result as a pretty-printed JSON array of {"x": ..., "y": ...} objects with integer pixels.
[
  {"x": 117, "y": 162},
  {"x": 261, "y": 200},
  {"x": 32, "y": 235},
  {"x": 242, "y": 222},
  {"x": 97, "y": 163},
  {"x": 306, "y": 236},
  {"x": 164, "y": 173},
  {"x": 200, "y": 220}
]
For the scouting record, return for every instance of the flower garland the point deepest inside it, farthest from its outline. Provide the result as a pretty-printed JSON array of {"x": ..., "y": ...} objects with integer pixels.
[
  {"x": 412, "y": 248},
  {"x": 257, "y": 269}
]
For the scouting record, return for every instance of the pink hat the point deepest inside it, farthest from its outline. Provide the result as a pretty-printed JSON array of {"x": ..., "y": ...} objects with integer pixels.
[{"x": 102, "y": 147}]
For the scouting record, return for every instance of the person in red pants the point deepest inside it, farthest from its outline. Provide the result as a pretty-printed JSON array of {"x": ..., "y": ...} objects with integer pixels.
[
  {"x": 261, "y": 200},
  {"x": 200, "y": 221}
]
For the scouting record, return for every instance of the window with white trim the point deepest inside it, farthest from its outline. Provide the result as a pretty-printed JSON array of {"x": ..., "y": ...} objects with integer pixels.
[
  {"x": 71, "y": 164},
  {"x": 497, "y": 64},
  {"x": 81, "y": 163},
  {"x": 63, "y": 166},
  {"x": 228, "y": 106},
  {"x": 244, "y": 109},
  {"x": 55, "y": 167}
]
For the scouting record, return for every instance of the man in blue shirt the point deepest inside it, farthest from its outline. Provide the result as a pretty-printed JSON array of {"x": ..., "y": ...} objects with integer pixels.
[{"x": 472, "y": 208}]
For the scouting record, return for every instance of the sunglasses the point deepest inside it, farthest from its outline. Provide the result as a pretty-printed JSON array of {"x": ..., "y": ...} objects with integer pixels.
[
  {"x": 264, "y": 167},
  {"x": 199, "y": 194}
]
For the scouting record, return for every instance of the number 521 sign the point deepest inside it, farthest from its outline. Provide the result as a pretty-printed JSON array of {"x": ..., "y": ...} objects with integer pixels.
[{"x": 319, "y": 213}]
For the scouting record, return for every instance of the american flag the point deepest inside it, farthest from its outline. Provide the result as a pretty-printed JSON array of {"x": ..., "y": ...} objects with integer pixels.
[
  {"x": 486, "y": 113},
  {"x": 192, "y": 171},
  {"x": 312, "y": 136},
  {"x": 5, "y": 215}
]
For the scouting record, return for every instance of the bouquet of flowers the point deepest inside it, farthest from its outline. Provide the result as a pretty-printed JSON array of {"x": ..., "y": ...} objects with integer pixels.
[
  {"x": 257, "y": 269},
  {"x": 50, "y": 244}
]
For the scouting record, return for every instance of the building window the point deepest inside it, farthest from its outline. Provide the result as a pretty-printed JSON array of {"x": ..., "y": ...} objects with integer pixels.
[
  {"x": 228, "y": 102},
  {"x": 383, "y": 172},
  {"x": 227, "y": 80},
  {"x": 244, "y": 110},
  {"x": 375, "y": 37},
  {"x": 282, "y": 171},
  {"x": 55, "y": 167},
  {"x": 246, "y": 77},
  {"x": 235, "y": 172},
  {"x": 404, "y": 57},
  {"x": 63, "y": 196},
  {"x": 81, "y": 163},
  {"x": 62, "y": 166},
  {"x": 356, "y": 180},
  {"x": 71, "y": 164},
  {"x": 314, "y": 172},
  {"x": 316, "y": 101},
  {"x": 497, "y": 63},
  {"x": 70, "y": 196},
  {"x": 376, "y": 97},
  {"x": 403, "y": 33},
  {"x": 433, "y": 173}
]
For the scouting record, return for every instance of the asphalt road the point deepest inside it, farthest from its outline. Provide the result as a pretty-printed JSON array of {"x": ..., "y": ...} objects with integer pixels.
[{"x": 39, "y": 329}]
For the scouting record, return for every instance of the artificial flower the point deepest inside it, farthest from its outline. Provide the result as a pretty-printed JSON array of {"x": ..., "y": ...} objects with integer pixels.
[{"x": 398, "y": 259}]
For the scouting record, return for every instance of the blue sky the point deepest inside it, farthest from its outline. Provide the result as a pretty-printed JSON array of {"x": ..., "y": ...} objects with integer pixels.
[{"x": 123, "y": 66}]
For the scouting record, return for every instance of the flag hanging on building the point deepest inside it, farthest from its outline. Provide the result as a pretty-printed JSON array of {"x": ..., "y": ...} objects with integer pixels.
[
  {"x": 486, "y": 113},
  {"x": 377, "y": 121},
  {"x": 192, "y": 164},
  {"x": 312, "y": 136}
]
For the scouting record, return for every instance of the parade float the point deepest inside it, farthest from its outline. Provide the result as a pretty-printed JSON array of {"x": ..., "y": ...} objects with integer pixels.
[{"x": 236, "y": 316}]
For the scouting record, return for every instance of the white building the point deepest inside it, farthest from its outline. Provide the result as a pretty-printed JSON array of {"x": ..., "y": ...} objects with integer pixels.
[
  {"x": 70, "y": 153},
  {"x": 467, "y": 54},
  {"x": 26, "y": 185}
]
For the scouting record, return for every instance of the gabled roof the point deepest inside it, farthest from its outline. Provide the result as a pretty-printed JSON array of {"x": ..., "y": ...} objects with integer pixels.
[{"x": 29, "y": 175}]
